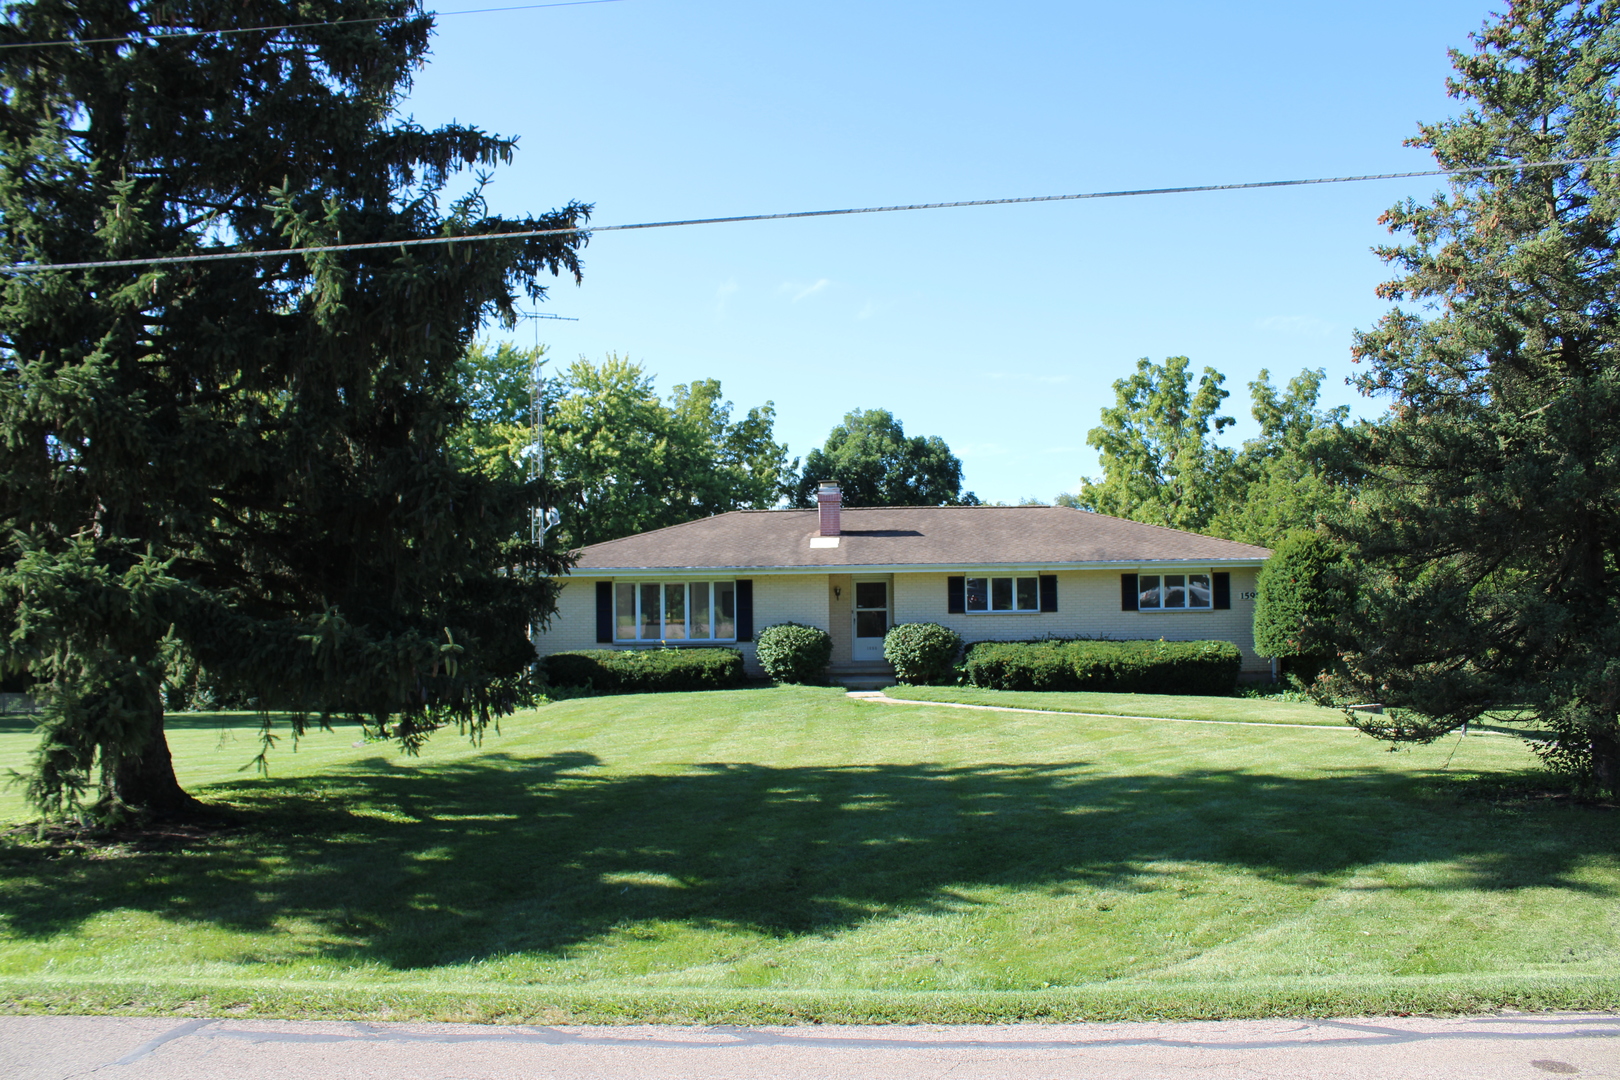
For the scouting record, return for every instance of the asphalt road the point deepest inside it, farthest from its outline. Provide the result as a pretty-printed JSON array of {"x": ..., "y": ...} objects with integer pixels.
[{"x": 1504, "y": 1047}]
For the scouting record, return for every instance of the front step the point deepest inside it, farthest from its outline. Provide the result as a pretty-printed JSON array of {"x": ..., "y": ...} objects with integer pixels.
[{"x": 865, "y": 677}]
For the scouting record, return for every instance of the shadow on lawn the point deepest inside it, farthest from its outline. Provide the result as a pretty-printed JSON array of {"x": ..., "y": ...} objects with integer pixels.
[
  {"x": 415, "y": 867},
  {"x": 238, "y": 720}
]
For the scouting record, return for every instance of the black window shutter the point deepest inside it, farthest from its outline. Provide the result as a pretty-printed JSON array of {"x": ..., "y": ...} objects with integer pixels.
[
  {"x": 1223, "y": 589},
  {"x": 956, "y": 595},
  {"x": 1048, "y": 592},
  {"x": 1127, "y": 592},
  {"x": 604, "y": 611},
  {"x": 745, "y": 609}
]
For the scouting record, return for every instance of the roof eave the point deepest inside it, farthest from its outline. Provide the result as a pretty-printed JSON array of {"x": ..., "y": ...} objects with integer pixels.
[{"x": 920, "y": 568}]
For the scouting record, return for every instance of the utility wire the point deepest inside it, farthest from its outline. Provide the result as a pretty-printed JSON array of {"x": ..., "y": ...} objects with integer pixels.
[
  {"x": 222, "y": 256},
  {"x": 134, "y": 39}
]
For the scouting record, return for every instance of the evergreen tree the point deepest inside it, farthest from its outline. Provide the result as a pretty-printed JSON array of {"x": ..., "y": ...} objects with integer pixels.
[
  {"x": 1299, "y": 600},
  {"x": 247, "y": 458},
  {"x": 1488, "y": 525},
  {"x": 877, "y": 464}
]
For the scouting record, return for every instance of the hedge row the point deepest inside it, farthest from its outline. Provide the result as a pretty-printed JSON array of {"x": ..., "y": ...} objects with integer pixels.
[
  {"x": 1120, "y": 667},
  {"x": 636, "y": 671}
]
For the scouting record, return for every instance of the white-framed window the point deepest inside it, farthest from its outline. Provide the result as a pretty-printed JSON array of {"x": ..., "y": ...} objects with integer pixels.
[
  {"x": 992, "y": 594},
  {"x": 1174, "y": 592},
  {"x": 675, "y": 611}
]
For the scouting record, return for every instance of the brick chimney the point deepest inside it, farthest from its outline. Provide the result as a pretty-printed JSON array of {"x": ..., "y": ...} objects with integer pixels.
[{"x": 830, "y": 501}]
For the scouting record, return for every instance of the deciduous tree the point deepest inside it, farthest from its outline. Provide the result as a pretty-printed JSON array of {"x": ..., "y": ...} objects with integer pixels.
[
  {"x": 622, "y": 461},
  {"x": 877, "y": 464},
  {"x": 1160, "y": 462},
  {"x": 1286, "y": 478}
]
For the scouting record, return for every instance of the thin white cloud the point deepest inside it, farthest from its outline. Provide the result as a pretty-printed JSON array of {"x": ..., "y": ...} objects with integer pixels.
[
  {"x": 811, "y": 290},
  {"x": 723, "y": 294}
]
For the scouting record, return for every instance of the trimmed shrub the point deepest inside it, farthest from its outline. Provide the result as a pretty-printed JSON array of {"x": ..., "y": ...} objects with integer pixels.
[
  {"x": 1297, "y": 603},
  {"x": 1207, "y": 668},
  {"x": 643, "y": 671},
  {"x": 792, "y": 653},
  {"x": 921, "y": 652}
]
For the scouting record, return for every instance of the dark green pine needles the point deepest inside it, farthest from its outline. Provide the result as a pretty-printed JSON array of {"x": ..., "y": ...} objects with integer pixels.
[
  {"x": 1487, "y": 529},
  {"x": 245, "y": 462}
]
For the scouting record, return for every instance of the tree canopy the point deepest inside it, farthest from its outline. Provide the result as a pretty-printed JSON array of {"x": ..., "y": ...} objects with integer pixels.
[
  {"x": 494, "y": 434},
  {"x": 623, "y": 461},
  {"x": 1288, "y": 478},
  {"x": 250, "y": 458},
  {"x": 1487, "y": 528},
  {"x": 1160, "y": 464},
  {"x": 877, "y": 464}
]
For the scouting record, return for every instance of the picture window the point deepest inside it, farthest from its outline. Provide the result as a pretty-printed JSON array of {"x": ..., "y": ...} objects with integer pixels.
[
  {"x": 1174, "y": 592},
  {"x": 997, "y": 594},
  {"x": 675, "y": 611}
]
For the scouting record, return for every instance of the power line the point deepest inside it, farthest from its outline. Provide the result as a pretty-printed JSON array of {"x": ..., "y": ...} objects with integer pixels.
[
  {"x": 135, "y": 39},
  {"x": 375, "y": 245}
]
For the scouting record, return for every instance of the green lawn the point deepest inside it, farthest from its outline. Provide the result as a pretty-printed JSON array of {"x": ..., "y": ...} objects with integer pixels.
[
  {"x": 1170, "y": 706},
  {"x": 779, "y": 854}
]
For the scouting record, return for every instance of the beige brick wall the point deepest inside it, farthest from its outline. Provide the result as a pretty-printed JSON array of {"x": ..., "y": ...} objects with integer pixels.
[
  {"x": 800, "y": 598},
  {"x": 841, "y": 615},
  {"x": 574, "y": 625},
  {"x": 1088, "y": 605}
]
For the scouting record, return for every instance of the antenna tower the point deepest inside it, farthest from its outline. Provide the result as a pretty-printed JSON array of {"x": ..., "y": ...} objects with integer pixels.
[{"x": 542, "y": 518}]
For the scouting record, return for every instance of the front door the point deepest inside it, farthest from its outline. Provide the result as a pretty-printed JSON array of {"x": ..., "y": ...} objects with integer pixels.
[{"x": 871, "y": 619}]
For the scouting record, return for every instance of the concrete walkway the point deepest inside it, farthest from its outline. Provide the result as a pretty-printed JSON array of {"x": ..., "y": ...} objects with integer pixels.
[
  {"x": 884, "y": 699},
  {"x": 1501, "y": 1047}
]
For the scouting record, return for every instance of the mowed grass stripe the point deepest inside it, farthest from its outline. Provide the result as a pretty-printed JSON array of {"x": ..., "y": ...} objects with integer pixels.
[
  {"x": 1137, "y": 706},
  {"x": 879, "y": 698},
  {"x": 793, "y": 841}
]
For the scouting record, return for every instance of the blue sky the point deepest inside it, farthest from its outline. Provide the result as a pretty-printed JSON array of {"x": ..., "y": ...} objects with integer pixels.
[{"x": 999, "y": 329}]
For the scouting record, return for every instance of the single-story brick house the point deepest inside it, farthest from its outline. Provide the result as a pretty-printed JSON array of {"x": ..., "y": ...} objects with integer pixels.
[{"x": 987, "y": 572}]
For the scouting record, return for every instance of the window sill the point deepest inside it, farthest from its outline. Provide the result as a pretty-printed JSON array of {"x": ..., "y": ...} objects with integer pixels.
[{"x": 673, "y": 643}]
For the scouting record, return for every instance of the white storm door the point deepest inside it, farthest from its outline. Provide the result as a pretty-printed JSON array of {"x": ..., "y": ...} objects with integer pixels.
[{"x": 871, "y": 619}]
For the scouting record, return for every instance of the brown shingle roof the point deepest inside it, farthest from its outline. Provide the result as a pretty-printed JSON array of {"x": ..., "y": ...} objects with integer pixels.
[{"x": 944, "y": 536}]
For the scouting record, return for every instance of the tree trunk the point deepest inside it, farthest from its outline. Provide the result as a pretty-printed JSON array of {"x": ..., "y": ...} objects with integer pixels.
[
  {"x": 1606, "y": 762},
  {"x": 143, "y": 779}
]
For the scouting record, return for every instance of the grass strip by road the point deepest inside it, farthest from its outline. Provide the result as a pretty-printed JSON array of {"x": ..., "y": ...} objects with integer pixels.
[
  {"x": 1161, "y": 706},
  {"x": 266, "y": 999}
]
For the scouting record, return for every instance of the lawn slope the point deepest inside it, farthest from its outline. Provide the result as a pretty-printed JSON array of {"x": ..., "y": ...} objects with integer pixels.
[{"x": 771, "y": 855}]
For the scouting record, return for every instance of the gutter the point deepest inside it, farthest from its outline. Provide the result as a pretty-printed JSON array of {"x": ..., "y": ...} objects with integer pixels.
[{"x": 916, "y": 568}]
